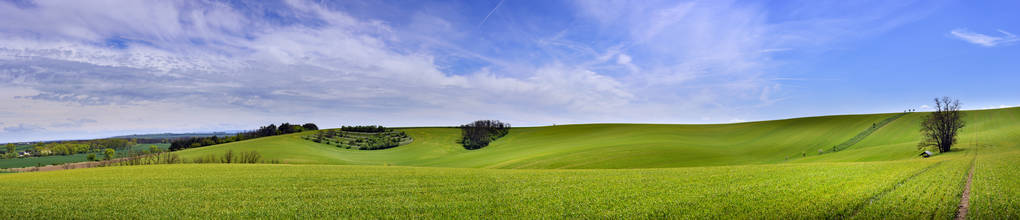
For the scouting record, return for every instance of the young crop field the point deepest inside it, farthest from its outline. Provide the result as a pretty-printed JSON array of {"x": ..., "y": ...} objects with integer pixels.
[
  {"x": 932, "y": 194},
  {"x": 996, "y": 187},
  {"x": 657, "y": 171},
  {"x": 328, "y": 191}
]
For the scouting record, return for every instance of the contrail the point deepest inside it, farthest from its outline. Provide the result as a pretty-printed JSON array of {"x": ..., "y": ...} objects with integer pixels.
[{"x": 490, "y": 13}]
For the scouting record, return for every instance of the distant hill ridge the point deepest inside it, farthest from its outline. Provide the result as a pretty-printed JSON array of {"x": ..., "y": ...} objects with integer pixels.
[{"x": 177, "y": 135}]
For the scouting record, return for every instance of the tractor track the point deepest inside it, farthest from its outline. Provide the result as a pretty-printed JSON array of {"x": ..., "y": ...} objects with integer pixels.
[
  {"x": 964, "y": 207},
  {"x": 857, "y": 209}
]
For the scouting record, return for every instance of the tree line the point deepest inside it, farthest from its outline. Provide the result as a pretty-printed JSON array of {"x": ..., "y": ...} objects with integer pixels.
[
  {"x": 71, "y": 147},
  {"x": 231, "y": 157},
  {"x": 365, "y": 128},
  {"x": 264, "y": 131},
  {"x": 478, "y": 134}
]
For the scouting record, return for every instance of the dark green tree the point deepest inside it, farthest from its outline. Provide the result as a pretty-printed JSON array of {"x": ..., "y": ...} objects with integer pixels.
[{"x": 310, "y": 127}]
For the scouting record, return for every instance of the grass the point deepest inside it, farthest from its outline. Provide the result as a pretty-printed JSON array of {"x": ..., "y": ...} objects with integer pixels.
[
  {"x": 996, "y": 187},
  {"x": 74, "y": 158},
  {"x": 932, "y": 194},
  {"x": 996, "y": 182},
  {"x": 864, "y": 134},
  {"x": 323, "y": 191},
  {"x": 657, "y": 171}
]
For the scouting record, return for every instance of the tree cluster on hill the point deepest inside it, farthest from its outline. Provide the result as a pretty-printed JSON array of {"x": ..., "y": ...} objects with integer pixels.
[
  {"x": 364, "y": 128},
  {"x": 939, "y": 128},
  {"x": 264, "y": 131},
  {"x": 478, "y": 134},
  {"x": 360, "y": 140}
]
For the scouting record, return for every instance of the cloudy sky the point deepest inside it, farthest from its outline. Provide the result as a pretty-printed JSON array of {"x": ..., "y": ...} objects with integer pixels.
[{"x": 86, "y": 69}]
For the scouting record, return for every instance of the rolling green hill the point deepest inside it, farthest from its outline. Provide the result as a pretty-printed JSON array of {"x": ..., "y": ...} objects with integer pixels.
[
  {"x": 640, "y": 145},
  {"x": 727, "y": 171}
]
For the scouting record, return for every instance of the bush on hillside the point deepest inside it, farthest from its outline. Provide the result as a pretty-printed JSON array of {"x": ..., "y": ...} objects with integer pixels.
[
  {"x": 478, "y": 134},
  {"x": 151, "y": 159},
  {"x": 310, "y": 127},
  {"x": 249, "y": 157},
  {"x": 228, "y": 157}
]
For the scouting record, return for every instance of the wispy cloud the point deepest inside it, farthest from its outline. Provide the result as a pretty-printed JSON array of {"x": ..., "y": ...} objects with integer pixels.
[
  {"x": 73, "y": 123},
  {"x": 984, "y": 40},
  {"x": 220, "y": 59},
  {"x": 22, "y": 128},
  {"x": 153, "y": 65},
  {"x": 490, "y": 13}
]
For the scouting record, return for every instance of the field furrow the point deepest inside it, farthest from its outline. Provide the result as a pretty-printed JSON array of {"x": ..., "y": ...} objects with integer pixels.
[{"x": 932, "y": 194}]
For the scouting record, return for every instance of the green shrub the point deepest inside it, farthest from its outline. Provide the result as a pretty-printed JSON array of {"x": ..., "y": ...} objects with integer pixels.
[
  {"x": 249, "y": 157},
  {"x": 109, "y": 153},
  {"x": 228, "y": 157}
]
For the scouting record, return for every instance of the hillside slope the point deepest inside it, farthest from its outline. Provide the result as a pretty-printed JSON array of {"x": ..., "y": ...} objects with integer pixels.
[{"x": 641, "y": 145}]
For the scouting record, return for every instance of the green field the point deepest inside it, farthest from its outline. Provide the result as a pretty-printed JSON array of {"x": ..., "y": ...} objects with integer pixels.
[
  {"x": 74, "y": 158},
  {"x": 768, "y": 169}
]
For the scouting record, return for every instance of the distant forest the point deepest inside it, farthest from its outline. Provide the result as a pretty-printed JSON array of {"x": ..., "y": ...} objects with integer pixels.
[
  {"x": 365, "y": 128},
  {"x": 175, "y": 135}
]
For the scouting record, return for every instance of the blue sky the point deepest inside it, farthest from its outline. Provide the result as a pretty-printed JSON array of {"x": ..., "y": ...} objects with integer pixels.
[{"x": 86, "y": 69}]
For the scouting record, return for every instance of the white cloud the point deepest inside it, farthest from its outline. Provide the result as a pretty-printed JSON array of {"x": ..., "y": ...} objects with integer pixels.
[
  {"x": 623, "y": 59},
  {"x": 999, "y": 106},
  {"x": 984, "y": 40},
  {"x": 176, "y": 65},
  {"x": 737, "y": 120},
  {"x": 717, "y": 56},
  {"x": 245, "y": 72}
]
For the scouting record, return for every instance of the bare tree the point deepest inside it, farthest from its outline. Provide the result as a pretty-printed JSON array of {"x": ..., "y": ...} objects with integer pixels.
[{"x": 939, "y": 128}]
